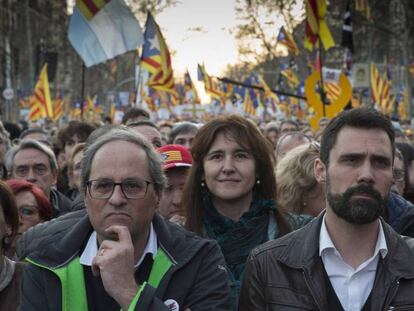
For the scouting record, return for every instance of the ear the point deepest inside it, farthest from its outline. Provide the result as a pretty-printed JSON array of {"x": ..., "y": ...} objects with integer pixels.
[{"x": 319, "y": 171}]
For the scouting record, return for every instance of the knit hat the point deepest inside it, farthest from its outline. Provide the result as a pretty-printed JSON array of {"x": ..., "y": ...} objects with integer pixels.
[{"x": 175, "y": 156}]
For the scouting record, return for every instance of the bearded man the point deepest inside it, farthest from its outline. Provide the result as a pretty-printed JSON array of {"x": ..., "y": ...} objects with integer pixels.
[{"x": 347, "y": 258}]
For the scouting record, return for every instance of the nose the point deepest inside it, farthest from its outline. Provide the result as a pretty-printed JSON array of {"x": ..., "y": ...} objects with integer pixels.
[
  {"x": 117, "y": 198},
  {"x": 176, "y": 198},
  {"x": 31, "y": 176},
  {"x": 366, "y": 173},
  {"x": 228, "y": 165}
]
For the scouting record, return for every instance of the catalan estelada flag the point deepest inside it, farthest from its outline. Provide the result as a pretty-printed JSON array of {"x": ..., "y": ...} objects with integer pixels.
[
  {"x": 286, "y": 39},
  {"x": 156, "y": 58},
  {"x": 291, "y": 77},
  {"x": 271, "y": 98},
  {"x": 210, "y": 85},
  {"x": 189, "y": 88},
  {"x": 41, "y": 103},
  {"x": 316, "y": 28},
  {"x": 102, "y": 29}
]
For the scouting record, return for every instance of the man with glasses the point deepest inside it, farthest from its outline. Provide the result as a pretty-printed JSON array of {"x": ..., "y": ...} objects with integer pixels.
[
  {"x": 35, "y": 162},
  {"x": 397, "y": 205},
  {"x": 122, "y": 254}
]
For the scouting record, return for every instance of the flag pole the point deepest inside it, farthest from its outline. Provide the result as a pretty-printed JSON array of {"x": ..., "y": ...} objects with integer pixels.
[
  {"x": 82, "y": 89},
  {"x": 226, "y": 80},
  {"x": 321, "y": 86}
]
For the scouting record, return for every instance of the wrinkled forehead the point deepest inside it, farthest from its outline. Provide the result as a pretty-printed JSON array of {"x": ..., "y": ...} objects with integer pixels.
[
  {"x": 361, "y": 140},
  {"x": 31, "y": 155}
]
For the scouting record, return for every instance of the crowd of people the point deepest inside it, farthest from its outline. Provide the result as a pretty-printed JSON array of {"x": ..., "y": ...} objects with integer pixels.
[{"x": 226, "y": 215}]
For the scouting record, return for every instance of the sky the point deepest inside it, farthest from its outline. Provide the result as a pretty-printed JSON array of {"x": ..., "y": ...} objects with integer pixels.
[
  {"x": 198, "y": 31},
  {"x": 213, "y": 45}
]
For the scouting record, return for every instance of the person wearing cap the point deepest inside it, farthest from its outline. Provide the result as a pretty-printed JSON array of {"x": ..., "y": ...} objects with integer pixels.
[{"x": 176, "y": 164}]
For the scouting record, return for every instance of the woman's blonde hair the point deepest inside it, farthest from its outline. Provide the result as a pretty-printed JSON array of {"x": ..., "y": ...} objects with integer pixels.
[{"x": 295, "y": 177}]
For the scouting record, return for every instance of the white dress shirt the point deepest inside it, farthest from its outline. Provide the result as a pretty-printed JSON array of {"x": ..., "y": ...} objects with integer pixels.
[
  {"x": 352, "y": 286},
  {"x": 91, "y": 249}
]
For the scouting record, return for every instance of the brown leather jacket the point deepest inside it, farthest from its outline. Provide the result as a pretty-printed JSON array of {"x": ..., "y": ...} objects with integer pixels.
[{"x": 287, "y": 274}]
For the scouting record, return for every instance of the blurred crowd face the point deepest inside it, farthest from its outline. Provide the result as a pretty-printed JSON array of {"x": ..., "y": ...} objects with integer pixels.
[
  {"x": 77, "y": 161},
  {"x": 272, "y": 136},
  {"x": 399, "y": 176},
  {"x": 288, "y": 143},
  {"x": 151, "y": 134},
  {"x": 315, "y": 201},
  {"x": 184, "y": 139},
  {"x": 288, "y": 127},
  {"x": 28, "y": 211},
  {"x": 34, "y": 166},
  {"x": 70, "y": 144},
  {"x": 165, "y": 130},
  {"x": 229, "y": 170},
  {"x": 170, "y": 202}
]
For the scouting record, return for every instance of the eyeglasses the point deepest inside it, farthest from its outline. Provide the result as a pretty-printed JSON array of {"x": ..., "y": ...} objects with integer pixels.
[
  {"x": 28, "y": 211},
  {"x": 38, "y": 169},
  {"x": 398, "y": 174},
  {"x": 102, "y": 189}
]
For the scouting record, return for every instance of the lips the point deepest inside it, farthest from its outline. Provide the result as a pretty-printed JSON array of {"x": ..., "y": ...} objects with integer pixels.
[
  {"x": 362, "y": 194},
  {"x": 118, "y": 215},
  {"x": 229, "y": 180}
]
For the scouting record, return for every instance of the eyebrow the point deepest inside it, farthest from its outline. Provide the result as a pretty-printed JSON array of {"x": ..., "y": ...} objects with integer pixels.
[
  {"x": 362, "y": 155},
  {"x": 236, "y": 150}
]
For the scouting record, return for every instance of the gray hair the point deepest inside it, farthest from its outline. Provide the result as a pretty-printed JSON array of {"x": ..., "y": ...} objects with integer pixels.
[
  {"x": 30, "y": 144},
  {"x": 154, "y": 159}
]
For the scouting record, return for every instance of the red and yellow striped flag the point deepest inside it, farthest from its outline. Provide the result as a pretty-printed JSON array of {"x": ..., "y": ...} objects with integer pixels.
[
  {"x": 57, "y": 109},
  {"x": 316, "y": 28},
  {"x": 35, "y": 111},
  {"x": 41, "y": 102},
  {"x": 291, "y": 77},
  {"x": 333, "y": 91}
]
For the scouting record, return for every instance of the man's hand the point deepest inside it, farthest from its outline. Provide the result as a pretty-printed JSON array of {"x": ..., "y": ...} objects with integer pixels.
[{"x": 115, "y": 264}]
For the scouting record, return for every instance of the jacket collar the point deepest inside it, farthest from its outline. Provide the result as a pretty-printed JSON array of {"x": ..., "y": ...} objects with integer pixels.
[
  {"x": 57, "y": 249},
  {"x": 302, "y": 249}
]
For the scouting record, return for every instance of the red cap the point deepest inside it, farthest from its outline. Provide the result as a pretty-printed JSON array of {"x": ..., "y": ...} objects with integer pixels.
[{"x": 175, "y": 156}]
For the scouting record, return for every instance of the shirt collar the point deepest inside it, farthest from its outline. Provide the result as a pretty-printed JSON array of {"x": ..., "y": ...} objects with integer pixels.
[
  {"x": 91, "y": 248},
  {"x": 325, "y": 241}
]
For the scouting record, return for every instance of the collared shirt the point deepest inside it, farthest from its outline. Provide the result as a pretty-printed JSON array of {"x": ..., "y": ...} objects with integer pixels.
[
  {"x": 352, "y": 286},
  {"x": 91, "y": 249}
]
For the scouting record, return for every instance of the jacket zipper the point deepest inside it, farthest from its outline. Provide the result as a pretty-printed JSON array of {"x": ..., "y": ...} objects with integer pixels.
[
  {"x": 391, "y": 296},
  {"x": 310, "y": 289}
]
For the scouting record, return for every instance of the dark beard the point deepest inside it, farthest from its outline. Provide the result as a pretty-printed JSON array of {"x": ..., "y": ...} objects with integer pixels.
[{"x": 357, "y": 211}]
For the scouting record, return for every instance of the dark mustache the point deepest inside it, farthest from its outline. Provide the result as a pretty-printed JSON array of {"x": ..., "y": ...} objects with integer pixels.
[{"x": 363, "y": 188}]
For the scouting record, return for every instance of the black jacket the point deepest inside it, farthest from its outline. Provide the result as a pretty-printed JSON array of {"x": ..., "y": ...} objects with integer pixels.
[
  {"x": 287, "y": 274},
  {"x": 60, "y": 203},
  {"x": 197, "y": 279}
]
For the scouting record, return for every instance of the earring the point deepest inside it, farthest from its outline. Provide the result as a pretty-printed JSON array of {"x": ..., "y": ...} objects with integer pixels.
[
  {"x": 304, "y": 204},
  {"x": 257, "y": 181},
  {"x": 203, "y": 184}
]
